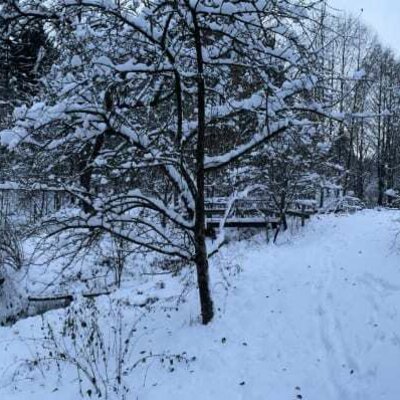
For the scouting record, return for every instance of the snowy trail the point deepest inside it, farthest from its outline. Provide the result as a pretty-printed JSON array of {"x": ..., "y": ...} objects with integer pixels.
[
  {"x": 316, "y": 317},
  {"x": 354, "y": 263},
  {"x": 320, "y": 316}
]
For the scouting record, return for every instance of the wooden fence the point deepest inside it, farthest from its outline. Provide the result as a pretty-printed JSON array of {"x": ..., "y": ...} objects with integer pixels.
[{"x": 27, "y": 204}]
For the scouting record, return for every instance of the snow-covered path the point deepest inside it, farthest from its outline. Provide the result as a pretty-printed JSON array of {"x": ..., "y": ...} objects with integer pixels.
[{"x": 316, "y": 317}]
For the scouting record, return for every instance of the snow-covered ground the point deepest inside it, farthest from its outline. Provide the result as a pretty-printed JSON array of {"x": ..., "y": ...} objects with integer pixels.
[{"x": 315, "y": 317}]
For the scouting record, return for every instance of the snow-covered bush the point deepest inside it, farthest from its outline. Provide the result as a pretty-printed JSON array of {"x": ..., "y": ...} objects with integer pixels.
[
  {"x": 345, "y": 204},
  {"x": 11, "y": 260}
]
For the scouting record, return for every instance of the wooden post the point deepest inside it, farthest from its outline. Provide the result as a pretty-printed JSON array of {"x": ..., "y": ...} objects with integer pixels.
[{"x": 321, "y": 200}]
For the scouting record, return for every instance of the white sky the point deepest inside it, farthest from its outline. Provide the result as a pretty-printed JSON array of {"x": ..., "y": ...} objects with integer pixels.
[{"x": 382, "y": 15}]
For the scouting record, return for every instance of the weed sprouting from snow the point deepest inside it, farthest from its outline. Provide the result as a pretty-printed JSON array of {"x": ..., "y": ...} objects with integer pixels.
[{"x": 101, "y": 344}]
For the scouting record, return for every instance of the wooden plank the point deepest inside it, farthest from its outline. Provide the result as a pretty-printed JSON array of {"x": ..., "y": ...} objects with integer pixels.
[
  {"x": 243, "y": 222},
  {"x": 292, "y": 213},
  {"x": 67, "y": 297}
]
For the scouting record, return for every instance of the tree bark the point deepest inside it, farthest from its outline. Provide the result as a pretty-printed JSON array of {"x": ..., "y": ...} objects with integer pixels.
[
  {"x": 203, "y": 281},
  {"x": 201, "y": 258}
]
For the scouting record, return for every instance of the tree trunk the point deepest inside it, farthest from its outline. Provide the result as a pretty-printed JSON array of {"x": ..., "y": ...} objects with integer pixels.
[
  {"x": 201, "y": 258},
  {"x": 203, "y": 281},
  {"x": 381, "y": 183}
]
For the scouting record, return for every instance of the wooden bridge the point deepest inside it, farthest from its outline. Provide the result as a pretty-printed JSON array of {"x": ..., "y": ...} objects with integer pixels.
[{"x": 252, "y": 213}]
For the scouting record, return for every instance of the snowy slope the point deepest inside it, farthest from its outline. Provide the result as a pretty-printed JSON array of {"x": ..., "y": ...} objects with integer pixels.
[{"x": 315, "y": 317}]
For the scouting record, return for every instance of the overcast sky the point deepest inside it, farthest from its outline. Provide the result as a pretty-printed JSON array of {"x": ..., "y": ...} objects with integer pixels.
[{"x": 382, "y": 15}]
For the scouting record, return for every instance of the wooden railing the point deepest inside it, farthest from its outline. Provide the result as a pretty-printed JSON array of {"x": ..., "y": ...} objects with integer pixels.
[{"x": 252, "y": 213}]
